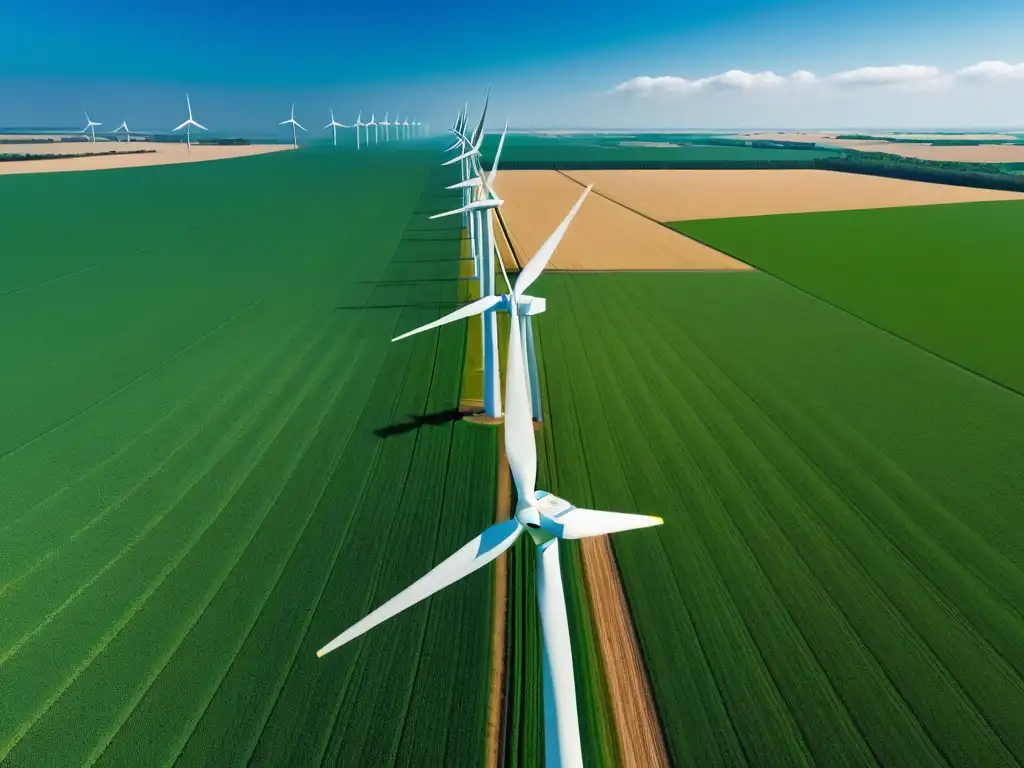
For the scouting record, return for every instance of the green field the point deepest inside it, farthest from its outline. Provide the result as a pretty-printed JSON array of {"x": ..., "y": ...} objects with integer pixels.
[
  {"x": 213, "y": 464},
  {"x": 840, "y": 576},
  {"x": 946, "y": 277}
]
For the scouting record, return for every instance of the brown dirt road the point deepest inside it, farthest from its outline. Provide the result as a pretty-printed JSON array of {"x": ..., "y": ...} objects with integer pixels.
[
  {"x": 605, "y": 236},
  {"x": 670, "y": 195},
  {"x": 503, "y": 511},
  {"x": 641, "y": 743}
]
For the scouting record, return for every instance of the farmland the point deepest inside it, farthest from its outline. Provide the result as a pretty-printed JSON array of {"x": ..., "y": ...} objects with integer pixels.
[
  {"x": 840, "y": 573},
  {"x": 214, "y": 461},
  {"x": 944, "y": 277}
]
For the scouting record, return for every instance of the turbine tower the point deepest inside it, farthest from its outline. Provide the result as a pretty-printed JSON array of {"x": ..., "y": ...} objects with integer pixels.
[
  {"x": 90, "y": 126},
  {"x": 374, "y": 123},
  {"x": 387, "y": 127},
  {"x": 335, "y": 125},
  {"x": 291, "y": 121},
  {"x": 187, "y": 125},
  {"x": 124, "y": 127},
  {"x": 548, "y": 520},
  {"x": 359, "y": 124}
]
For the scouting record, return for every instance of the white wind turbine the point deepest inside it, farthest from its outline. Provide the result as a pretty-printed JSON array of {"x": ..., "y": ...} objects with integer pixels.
[
  {"x": 406, "y": 125},
  {"x": 90, "y": 126},
  {"x": 294, "y": 124},
  {"x": 374, "y": 123},
  {"x": 387, "y": 127},
  {"x": 335, "y": 125},
  {"x": 529, "y": 306},
  {"x": 359, "y": 124},
  {"x": 547, "y": 519},
  {"x": 124, "y": 127},
  {"x": 187, "y": 125}
]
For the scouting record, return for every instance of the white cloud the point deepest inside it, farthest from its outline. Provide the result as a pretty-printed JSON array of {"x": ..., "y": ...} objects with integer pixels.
[
  {"x": 990, "y": 71},
  {"x": 900, "y": 76}
]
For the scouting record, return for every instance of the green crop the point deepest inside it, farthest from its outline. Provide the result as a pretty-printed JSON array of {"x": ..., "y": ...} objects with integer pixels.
[
  {"x": 841, "y": 569},
  {"x": 214, "y": 461}
]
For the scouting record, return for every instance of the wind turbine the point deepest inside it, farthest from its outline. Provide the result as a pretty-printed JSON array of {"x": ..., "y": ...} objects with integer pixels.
[
  {"x": 407, "y": 124},
  {"x": 547, "y": 519},
  {"x": 90, "y": 126},
  {"x": 529, "y": 306},
  {"x": 187, "y": 125},
  {"x": 291, "y": 120},
  {"x": 387, "y": 127},
  {"x": 124, "y": 126},
  {"x": 359, "y": 124},
  {"x": 335, "y": 125},
  {"x": 374, "y": 123}
]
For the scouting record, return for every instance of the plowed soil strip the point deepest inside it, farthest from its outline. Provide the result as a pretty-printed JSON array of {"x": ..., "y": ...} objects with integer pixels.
[
  {"x": 503, "y": 511},
  {"x": 670, "y": 195},
  {"x": 605, "y": 236},
  {"x": 641, "y": 743}
]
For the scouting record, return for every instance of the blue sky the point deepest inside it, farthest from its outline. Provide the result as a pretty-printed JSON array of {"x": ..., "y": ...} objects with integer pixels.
[{"x": 549, "y": 64}]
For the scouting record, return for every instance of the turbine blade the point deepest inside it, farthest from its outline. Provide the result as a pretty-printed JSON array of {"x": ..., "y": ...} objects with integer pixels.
[
  {"x": 561, "y": 721},
  {"x": 197, "y": 125},
  {"x": 463, "y": 156},
  {"x": 301, "y": 127},
  {"x": 476, "y": 205},
  {"x": 473, "y": 556},
  {"x": 540, "y": 259},
  {"x": 494, "y": 165},
  {"x": 476, "y": 181},
  {"x": 475, "y": 308},
  {"x": 479, "y": 132},
  {"x": 519, "y": 438},
  {"x": 284, "y": 122},
  {"x": 579, "y": 523},
  {"x": 182, "y": 125}
]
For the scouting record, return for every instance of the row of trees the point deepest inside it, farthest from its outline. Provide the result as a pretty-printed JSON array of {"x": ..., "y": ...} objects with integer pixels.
[{"x": 6, "y": 158}]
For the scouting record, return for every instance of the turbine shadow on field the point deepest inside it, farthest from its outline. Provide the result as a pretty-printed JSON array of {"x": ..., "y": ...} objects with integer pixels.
[{"x": 438, "y": 419}]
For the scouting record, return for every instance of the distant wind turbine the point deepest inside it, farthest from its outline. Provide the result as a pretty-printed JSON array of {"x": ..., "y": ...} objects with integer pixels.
[
  {"x": 294, "y": 124},
  {"x": 387, "y": 127},
  {"x": 90, "y": 126},
  {"x": 406, "y": 124},
  {"x": 187, "y": 125},
  {"x": 374, "y": 123},
  {"x": 124, "y": 127},
  {"x": 335, "y": 125},
  {"x": 359, "y": 124}
]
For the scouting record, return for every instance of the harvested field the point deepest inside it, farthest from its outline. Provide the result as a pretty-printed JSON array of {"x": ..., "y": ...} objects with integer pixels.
[
  {"x": 689, "y": 195},
  {"x": 826, "y": 136},
  {"x": 605, "y": 236},
  {"x": 158, "y": 153},
  {"x": 982, "y": 153}
]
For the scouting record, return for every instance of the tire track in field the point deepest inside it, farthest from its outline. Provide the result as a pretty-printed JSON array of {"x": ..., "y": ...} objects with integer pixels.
[{"x": 136, "y": 605}]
